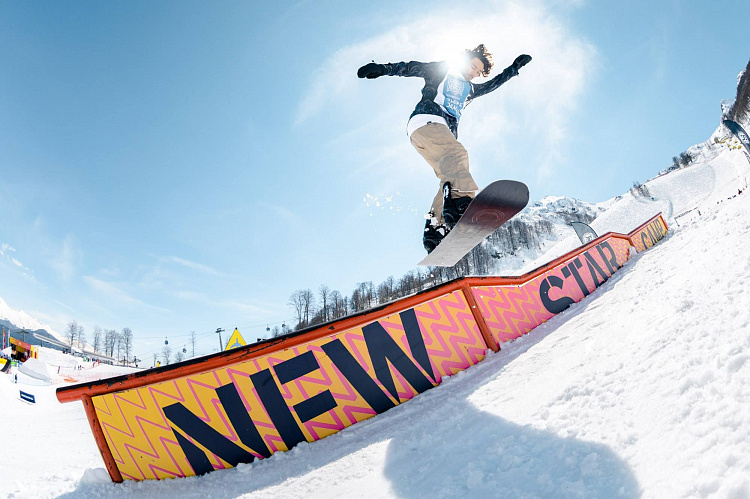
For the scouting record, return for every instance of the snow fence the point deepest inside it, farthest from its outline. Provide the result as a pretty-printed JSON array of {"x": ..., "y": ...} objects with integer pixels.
[{"x": 233, "y": 407}]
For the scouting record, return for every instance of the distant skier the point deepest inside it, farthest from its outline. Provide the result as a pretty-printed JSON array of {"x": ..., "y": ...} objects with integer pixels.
[{"x": 433, "y": 127}]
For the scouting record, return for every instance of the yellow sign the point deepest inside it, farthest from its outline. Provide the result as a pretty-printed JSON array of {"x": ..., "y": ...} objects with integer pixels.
[{"x": 236, "y": 340}]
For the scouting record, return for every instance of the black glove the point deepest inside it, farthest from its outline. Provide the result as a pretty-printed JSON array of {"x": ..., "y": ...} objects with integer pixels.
[
  {"x": 521, "y": 61},
  {"x": 371, "y": 70}
]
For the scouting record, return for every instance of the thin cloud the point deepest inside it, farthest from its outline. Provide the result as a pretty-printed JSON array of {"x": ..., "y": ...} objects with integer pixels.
[
  {"x": 114, "y": 292},
  {"x": 537, "y": 104},
  {"x": 65, "y": 306},
  {"x": 5, "y": 252},
  {"x": 262, "y": 310},
  {"x": 194, "y": 265},
  {"x": 64, "y": 263}
]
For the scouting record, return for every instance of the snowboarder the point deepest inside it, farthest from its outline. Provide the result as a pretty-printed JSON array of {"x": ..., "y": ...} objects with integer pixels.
[{"x": 433, "y": 127}]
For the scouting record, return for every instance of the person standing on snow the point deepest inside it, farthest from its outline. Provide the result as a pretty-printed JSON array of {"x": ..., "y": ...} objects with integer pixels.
[{"x": 433, "y": 127}]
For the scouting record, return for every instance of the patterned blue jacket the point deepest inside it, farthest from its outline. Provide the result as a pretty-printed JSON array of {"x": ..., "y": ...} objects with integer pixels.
[{"x": 445, "y": 94}]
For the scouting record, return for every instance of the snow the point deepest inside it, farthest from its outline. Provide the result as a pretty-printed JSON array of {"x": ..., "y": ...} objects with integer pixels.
[
  {"x": 36, "y": 369},
  {"x": 717, "y": 174},
  {"x": 640, "y": 390},
  {"x": 22, "y": 320},
  {"x": 557, "y": 211}
]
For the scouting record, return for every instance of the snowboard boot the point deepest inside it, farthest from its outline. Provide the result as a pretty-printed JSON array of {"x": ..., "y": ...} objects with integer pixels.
[
  {"x": 433, "y": 233},
  {"x": 453, "y": 208}
]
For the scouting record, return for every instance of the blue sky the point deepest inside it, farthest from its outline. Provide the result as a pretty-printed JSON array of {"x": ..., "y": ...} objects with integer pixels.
[{"x": 178, "y": 166}]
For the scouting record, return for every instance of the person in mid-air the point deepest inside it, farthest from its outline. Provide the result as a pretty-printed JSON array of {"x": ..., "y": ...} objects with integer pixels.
[{"x": 433, "y": 127}]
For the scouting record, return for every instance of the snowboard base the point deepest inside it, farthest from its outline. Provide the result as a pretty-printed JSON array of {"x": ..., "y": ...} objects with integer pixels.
[{"x": 490, "y": 209}]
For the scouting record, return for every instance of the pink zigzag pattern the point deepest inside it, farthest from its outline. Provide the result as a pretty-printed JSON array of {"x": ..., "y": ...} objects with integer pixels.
[
  {"x": 448, "y": 328},
  {"x": 460, "y": 330},
  {"x": 153, "y": 452}
]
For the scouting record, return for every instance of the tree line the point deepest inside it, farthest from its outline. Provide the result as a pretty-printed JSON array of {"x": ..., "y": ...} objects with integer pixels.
[
  {"x": 179, "y": 355},
  {"x": 312, "y": 308},
  {"x": 103, "y": 341}
]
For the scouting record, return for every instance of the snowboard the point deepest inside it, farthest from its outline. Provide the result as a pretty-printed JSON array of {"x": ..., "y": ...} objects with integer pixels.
[{"x": 490, "y": 209}]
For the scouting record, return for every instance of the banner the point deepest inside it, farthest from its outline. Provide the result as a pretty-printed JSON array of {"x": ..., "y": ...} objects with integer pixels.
[
  {"x": 247, "y": 403},
  {"x": 649, "y": 233},
  {"x": 585, "y": 233},
  {"x": 739, "y": 132}
]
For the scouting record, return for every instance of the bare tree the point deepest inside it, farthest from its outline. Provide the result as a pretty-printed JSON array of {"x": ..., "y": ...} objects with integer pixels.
[
  {"x": 110, "y": 342},
  {"x": 308, "y": 298},
  {"x": 337, "y": 305},
  {"x": 297, "y": 302},
  {"x": 71, "y": 332},
  {"x": 357, "y": 301},
  {"x": 325, "y": 293},
  {"x": 276, "y": 332},
  {"x": 156, "y": 358},
  {"x": 192, "y": 342},
  {"x": 118, "y": 344},
  {"x": 81, "y": 337},
  {"x": 166, "y": 353},
  {"x": 106, "y": 341},
  {"x": 97, "y": 345},
  {"x": 127, "y": 340},
  {"x": 368, "y": 293},
  {"x": 385, "y": 290},
  {"x": 178, "y": 356}
]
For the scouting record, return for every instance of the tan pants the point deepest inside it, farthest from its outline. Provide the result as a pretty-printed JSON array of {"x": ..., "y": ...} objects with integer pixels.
[{"x": 448, "y": 158}]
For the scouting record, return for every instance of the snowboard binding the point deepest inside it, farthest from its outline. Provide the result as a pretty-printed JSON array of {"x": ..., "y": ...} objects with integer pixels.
[
  {"x": 453, "y": 208},
  {"x": 433, "y": 232}
]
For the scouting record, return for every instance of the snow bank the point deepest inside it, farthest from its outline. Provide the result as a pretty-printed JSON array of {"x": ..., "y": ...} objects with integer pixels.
[{"x": 36, "y": 369}]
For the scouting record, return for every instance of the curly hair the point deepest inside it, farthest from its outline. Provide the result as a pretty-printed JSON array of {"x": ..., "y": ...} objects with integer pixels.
[{"x": 481, "y": 53}]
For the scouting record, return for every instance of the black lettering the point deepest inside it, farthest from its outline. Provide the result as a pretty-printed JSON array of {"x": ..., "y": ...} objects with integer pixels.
[
  {"x": 214, "y": 441},
  {"x": 643, "y": 240},
  {"x": 204, "y": 434},
  {"x": 382, "y": 349},
  {"x": 196, "y": 457},
  {"x": 277, "y": 409},
  {"x": 416, "y": 342},
  {"x": 612, "y": 260},
  {"x": 594, "y": 268},
  {"x": 554, "y": 306},
  {"x": 315, "y": 406},
  {"x": 240, "y": 419},
  {"x": 357, "y": 376},
  {"x": 656, "y": 227},
  {"x": 574, "y": 266},
  {"x": 297, "y": 367}
]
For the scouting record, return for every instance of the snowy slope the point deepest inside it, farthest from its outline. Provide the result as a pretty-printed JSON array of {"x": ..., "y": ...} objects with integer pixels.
[
  {"x": 22, "y": 320},
  {"x": 717, "y": 174},
  {"x": 641, "y": 389},
  {"x": 548, "y": 221}
]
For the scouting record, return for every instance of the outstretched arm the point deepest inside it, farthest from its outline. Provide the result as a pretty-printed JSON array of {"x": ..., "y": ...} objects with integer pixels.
[
  {"x": 507, "y": 74},
  {"x": 411, "y": 68}
]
